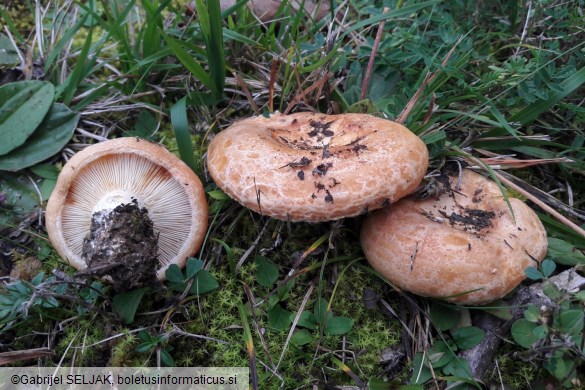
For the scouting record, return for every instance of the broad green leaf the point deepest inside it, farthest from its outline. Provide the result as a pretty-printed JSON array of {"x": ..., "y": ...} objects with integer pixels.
[
  {"x": 126, "y": 303},
  {"x": 571, "y": 321},
  {"x": 468, "y": 336},
  {"x": 23, "y": 105},
  {"x": 443, "y": 317},
  {"x": 523, "y": 333},
  {"x": 458, "y": 367},
  {"x": 266, "y": 271},
  {"x": 166, "y": 359},
  {"x": 338, "y": 325},
  {"x": 204, "y": 282},
  {"x": 47, "y": 171},
  {"x": 564, "y": 253},
  {"x": 420, "y": 372},
  {"x": 51, "y": 136},
  {"x": 301, "y": 337},
  {"x": 279, "y": 318}
]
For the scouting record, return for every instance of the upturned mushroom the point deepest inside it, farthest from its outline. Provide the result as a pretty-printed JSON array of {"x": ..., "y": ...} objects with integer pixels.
[
  {"x": 463, "y": 246},
  {"x": 126, "y": 208},
  {"x": 316, "y": 167}
]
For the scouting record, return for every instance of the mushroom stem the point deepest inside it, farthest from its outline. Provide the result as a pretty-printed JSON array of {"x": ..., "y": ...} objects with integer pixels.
[{"x": 122, "y": 244}]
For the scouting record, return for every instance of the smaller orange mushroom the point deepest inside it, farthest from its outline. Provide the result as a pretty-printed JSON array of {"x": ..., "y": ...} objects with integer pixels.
[{"x": 463, "y": 246}]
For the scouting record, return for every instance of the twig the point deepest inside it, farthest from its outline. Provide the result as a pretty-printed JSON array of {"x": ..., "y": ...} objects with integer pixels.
[
  {"x": 244, "y": 87},
  {"x": 370, "y": 68}
]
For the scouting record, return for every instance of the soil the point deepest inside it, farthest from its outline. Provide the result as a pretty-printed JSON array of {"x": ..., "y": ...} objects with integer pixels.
[{"x": 122, "y": 244}]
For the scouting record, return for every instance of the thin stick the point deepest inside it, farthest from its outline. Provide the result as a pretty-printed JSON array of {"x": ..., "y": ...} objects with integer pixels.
[
  {"x": 244, "y": 87},
  {"x": 370, "y": 67},
  {"x": 541, "y": 204}
]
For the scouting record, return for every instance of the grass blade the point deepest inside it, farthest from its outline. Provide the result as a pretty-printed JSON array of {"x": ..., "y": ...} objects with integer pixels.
[
  {"x": 188, "y": 62},
  {"x": 181, "y": 129}
]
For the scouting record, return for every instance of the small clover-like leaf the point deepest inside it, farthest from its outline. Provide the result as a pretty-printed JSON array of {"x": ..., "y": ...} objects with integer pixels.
[
  {"x": 306, "y": 320},
  {"x": 523, "y": 333},
  {"x": 548, "y": 267},
  {"x": 533, "y": 273},
  {"x": 174, "y": 274},
  {"x": 443, "y": 316},
  {"x": 193, "y": 266}
]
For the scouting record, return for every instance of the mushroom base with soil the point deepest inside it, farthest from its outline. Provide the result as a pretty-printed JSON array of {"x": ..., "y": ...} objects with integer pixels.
[{"x": 123, "y": 246}]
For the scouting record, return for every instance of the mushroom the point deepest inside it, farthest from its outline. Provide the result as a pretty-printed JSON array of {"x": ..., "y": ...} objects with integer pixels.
[
  {"x": 463, "y": 246},
  {"x": 316, "y": 167},
  {"x": 126, "y": 190}
]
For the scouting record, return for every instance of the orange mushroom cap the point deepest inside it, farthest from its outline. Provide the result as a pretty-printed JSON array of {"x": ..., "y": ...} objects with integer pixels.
[
  {"x": 316, "y": 167},
  {"x": 464, "y": 246}
]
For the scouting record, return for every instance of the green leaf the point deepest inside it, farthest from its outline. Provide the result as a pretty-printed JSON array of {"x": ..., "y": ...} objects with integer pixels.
[
  {"x": 563, "y": 368},
  {"x": 279, "y": 318},
  {"x": 126, "y": 303},
  {"x": 204, "y": 282},
  {"x": 51, "y": 136},
  {"x": 188, "y": 62},
  {"x": 458, "y": 367},
  {"x": 174, "y": 274},
  {"x": 266, "y": 271},
  {"x": 571, "y": 321},
  {"x": 468, "y": 336},
  {"x": 548, "y": 267},
  {"x": 23, "y": 105},
  {"x": 533, "y": 111},
  {"x": 552, "y": 291},
  {"x": 181, "y": 129},
  {"x": 8, "y": 55},
  {"x": 306, "y": 320},
  {"x": 193, "y": 267},
  {"x": 420, "y": 372},
  {"x": 338, "y": 325},
  {"x": 218, "y": 195},
  {"x": 532, "y": 313},
  {"x": 523, "y": 333},
  {"x": 440, "y": 354},
  {"x": 564, "y": 253},
  {"x": 444, "y": 317},
  {"x": 166, "y": 359},
  {"x": 533, "y": 273},
  {"x": 320, "y": 311},
  {"x": 47, "y": 171},
  {"x": 301, "y": 337}
]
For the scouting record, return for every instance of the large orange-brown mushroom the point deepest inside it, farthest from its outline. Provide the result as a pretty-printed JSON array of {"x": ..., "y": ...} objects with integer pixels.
[
  {"x": 316, "y": 167},
  {"x": 124, "y": 172},
  {"x": 463, "y": 246}
]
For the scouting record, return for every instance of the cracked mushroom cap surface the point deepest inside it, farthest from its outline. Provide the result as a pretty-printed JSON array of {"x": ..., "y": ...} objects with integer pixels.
[
  {"x": 463, "y": 246},
  {"x": 316, "y": 167},
  {"x": 117, "y": 171}
]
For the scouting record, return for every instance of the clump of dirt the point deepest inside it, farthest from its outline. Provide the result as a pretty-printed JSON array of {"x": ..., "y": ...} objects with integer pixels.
[
  {"x": 122, "y": 244},
  {"x": 470, "y": 220}
]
